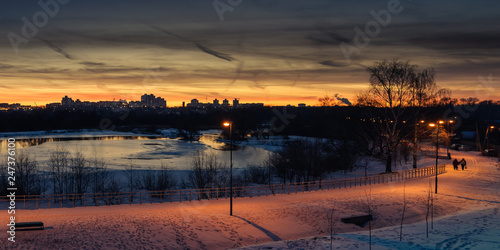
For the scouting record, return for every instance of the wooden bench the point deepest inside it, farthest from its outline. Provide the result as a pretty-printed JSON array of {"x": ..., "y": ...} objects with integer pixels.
[
  {"x": 358, "y": 220},
  {"x": 26, "y": 226}
]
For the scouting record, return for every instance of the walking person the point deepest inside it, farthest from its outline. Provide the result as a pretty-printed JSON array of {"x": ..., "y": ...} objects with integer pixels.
[
  {"x": 455, "y": 164},
  {"x": 463, "y": 163}
]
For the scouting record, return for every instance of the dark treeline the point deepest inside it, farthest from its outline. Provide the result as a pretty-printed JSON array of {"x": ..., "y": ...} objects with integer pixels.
[{"x": 327, "y": 122}]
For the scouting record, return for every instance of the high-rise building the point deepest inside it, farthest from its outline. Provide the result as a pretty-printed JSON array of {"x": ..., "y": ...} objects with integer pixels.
[
  {"x": 236, "y": 102},
  {"x": 225, "y": 103},
  {"x": 67, "y": 101},
  {"x": 152, "y": 101}
]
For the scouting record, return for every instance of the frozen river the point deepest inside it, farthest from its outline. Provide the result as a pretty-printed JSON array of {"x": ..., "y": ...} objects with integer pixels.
[{"x": 144, "y": 151}]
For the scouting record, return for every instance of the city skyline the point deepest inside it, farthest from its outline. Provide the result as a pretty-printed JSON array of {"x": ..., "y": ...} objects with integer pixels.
[
  {"x": 278, "y": 53},
  {"x": 146, "y": 100}
]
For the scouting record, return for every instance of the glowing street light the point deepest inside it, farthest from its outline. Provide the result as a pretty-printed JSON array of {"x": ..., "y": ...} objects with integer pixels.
[
  {"x": 230, "y": 125},
  {"x": 437, "y": 149},
  {"x": 487, "y": 136},
  {"x": 449, "y": 138}
]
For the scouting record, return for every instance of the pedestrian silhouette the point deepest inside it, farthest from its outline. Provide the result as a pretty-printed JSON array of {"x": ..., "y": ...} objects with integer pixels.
[
  {"x": 455, "y": 164},
  {"x": 463, "y": 163}
]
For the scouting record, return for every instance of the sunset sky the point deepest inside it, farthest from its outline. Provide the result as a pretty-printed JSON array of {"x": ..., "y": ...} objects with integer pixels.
[{"x": 275, "y": 52}]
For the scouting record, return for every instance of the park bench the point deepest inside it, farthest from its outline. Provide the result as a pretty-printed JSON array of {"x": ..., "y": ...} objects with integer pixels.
[{"x": 26, "y": 226}]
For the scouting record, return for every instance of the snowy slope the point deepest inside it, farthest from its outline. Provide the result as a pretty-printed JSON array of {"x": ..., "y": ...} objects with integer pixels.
[{"x": 466, "y": 215}]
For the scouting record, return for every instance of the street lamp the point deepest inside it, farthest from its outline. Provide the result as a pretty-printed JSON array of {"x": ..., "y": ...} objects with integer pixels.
[
  {"x": 487, "y": 136},
  {"x": 415, "y": 141},
  {"x": 437, "y": 149},
  {"x": 449, "y": 138},
  {"x": 230, "y": 125}
]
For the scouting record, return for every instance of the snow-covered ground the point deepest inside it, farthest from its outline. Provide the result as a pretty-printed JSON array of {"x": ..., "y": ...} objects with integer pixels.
[
  {"x": 466, "y": 216},
  {"x": 477, "y": 229}
]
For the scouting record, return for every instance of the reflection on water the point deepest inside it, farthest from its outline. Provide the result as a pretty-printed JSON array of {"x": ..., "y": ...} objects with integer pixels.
[
  {"x": 210, "y": 140},
  {"x": 29, "y": 142}
]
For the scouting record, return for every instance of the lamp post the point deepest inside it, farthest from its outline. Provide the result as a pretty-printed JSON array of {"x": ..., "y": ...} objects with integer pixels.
[
  {"x": 449, "y": 138},
  {"x": 415, "y": 146},
  {"x": 487, "y": 139},
  {"x": 230, "y": 125},
  {"x": 437, "y": 149}
]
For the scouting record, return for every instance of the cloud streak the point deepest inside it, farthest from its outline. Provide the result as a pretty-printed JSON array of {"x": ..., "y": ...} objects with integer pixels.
[
  {"x": 57, "y": 49},
  {"x": 198, "y": 45}
]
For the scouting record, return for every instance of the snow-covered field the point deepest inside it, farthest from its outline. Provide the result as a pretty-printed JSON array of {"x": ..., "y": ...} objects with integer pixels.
[{"x": 466, "y": 216}]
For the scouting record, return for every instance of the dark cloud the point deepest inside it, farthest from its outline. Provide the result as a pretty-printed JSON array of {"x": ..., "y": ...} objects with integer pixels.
[
  {"x": 57, "y": 49},
  {"x": 4, "y": 66},
  {"x": 92, "y": 64},
  {"x": 458, "y": 41},
  {"x": 44, "y": 70},
  {"x": 328, "y": 36},
  {"x": 332, "y": 64},
  {"x": 6, "y": 87},
  {"x": 198, "y": 45},
  {"x": 214, "y": 53}
]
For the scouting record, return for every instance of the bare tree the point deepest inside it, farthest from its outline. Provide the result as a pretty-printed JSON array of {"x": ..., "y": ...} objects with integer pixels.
[
  {"x": 403, "y": 210},
  {"x": 3, "y": 179},
  {"x": 424, "y": 91},
  {"x": 79, "y": 171},
  {"x": 428, "y": 205},
  {"x": 390, "y": 93},
  {"x": 58, "y": 168},
  {"x": 28, "y": 176},
  {"x": 207, "y": 172},
  {"x": 328, "y": 101},
  {"x": 366, "y": 167},
  {"x": 99, "y": 176},
  {"x": 99, "y": 173},
  {"x": 256, "y": 174},
  {"x": 114, "y": 187},
  {"x": 131, "y": 176},
  {"x": 368, "y": 207},
  {"x": 165, "y": 180},
  {"x": 158, "y": 180},
  {"x": 331, "y": 221}
]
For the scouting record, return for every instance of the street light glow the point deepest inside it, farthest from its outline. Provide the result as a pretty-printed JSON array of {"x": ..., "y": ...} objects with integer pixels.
[
  {"x": 229, "y": 124},
  {"x": 432, "y": 124},
  {"x": 441, "y": 122}
]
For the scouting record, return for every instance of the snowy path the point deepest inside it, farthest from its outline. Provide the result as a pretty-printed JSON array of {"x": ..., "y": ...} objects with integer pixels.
[{"x": 471, "y": 196}]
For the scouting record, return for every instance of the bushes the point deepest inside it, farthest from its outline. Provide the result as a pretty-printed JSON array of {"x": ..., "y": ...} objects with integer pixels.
[
  {"x": 303, "y": 160},
  {"x": 256, "y": 174},
  {"x": 158, "y": 180}
]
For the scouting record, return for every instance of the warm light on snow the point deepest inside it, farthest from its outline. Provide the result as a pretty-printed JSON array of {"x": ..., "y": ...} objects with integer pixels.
[{"x": 466, "y": 215}]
